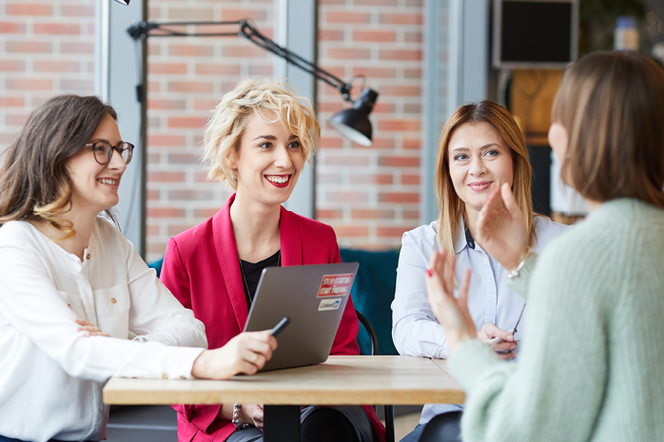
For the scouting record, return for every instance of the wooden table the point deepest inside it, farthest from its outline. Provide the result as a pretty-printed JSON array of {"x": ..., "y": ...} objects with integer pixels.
[{"x": 341, "y": 380}]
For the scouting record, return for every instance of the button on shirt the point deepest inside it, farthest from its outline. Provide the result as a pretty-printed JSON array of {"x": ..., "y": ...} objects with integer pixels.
[
  {"x": 415, "y": 330},
  {"x": 51, "y": 375}
]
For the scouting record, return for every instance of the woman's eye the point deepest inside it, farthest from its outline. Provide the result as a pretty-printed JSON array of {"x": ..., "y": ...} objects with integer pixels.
[
  {"x": 265, "y": 145},
  {"x": 295, "y": 145},
  {"x": 461, "y": 157},
  {"x": 99, "y": 147},
  {"x": 491, "y": 153}
]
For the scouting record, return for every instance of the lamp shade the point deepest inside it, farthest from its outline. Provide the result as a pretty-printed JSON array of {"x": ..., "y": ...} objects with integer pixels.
[
  {"x": 354, "y": 123},
  {"x": 123, "y": 2}
]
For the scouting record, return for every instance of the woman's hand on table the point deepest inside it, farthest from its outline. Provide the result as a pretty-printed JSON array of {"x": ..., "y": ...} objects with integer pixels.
[
  {"x": 246, "y": 353},
  {"x": 89, "y": 329},
  {"x": 452, "y": 313},
  {"x": 253, "y": 415},
  {"x": 505, "y": 347},
  {"x": 501, "y": 229}
]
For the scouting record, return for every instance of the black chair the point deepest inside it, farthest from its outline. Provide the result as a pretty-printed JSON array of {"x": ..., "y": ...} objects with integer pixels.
[{"x": 389, "y": 409}]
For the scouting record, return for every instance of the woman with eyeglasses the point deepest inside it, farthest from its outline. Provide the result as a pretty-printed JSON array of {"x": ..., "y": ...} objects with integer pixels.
[
  {"x": 74, "y": 289},
  {"x": 591, "y": 364}
]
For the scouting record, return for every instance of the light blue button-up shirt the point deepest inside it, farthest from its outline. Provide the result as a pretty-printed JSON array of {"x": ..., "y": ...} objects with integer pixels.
[{"x": 416, "y": 331}]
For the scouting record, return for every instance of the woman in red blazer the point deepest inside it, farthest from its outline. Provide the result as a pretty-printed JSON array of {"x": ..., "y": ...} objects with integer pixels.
[{"x": 257, "y": 143}]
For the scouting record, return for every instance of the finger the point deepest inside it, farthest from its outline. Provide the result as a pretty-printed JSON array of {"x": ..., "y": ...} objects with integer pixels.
[
  {"x": 449, "y": 273},
  {"x": 506, "y": 356},
  {"x": 83, "y": 322},
  {"x": 504, "y": 346},
  {"x": 509, "y": 200},
  {"x": 495, "y": 331},
  {"x": 463, "y": 291}
]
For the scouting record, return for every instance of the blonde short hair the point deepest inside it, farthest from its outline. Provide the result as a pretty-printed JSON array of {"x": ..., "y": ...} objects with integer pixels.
[
  {"x": 451, "y": 207},
  {"x": 252, "y": 97}
]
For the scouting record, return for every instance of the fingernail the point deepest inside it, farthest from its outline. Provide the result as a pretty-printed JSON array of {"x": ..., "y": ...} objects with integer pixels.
[{"x": 430, "y": 273}]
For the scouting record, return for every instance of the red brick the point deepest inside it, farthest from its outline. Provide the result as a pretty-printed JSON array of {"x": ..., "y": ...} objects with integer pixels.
[
  {"x": 166, "y": 140},
  {"x": 16, "y": 119},
  {"x": 371, "y": 214},
  {"x": 77, "y": 48},
  {"x": 347, "y": 197},
  {"x": 30, "y": 84},
  {"x": 156, "y": 249},
  {"x": 152, "y": 229},
  {"x": 379, "y": 178},
  {"x": 56, "y": 66},
  {"x": 332, "y": 2},
  {"x": 12, "y": 102},
  {"x": 413, "y": 108},
  {"x": 258, "y": 70},
  {"x": 77, "y": 11},
  {"x": 167, "y": 68},
  {"x": 29, "y": 47},
  {"x": 401, "y": 19},
  {"x": 382, "y": 143},
  {"x": 192, "y": 14},
  {"x": 411, "y": 144},
  {"x": 335, "y": 142},
  {"x": 244, "y": 51},
  {"x": 328, "y": 178},
  {"x": 401, "y": 91},
  {"x": 399, "y": 197},
  {"x": 205, "y": 213},
  {"x": 186, "y": 122},
  {"x": 165, "y": 212},
  {"x": 345, "y": 17},
  {"x": 7, "y": 27},
  {"x": 56, "y": 29},
  {"x": 375, "y": 36},
  {"x": 376, "y": 2},
  {"x": 351, "y": 231},
  {"x": 166, "y": 177},
  {"x": 401, "y": 125},
  {"x": 30, "y": 9},
  {"x": 348, "y": 54},
  {"x": 228, "y": 14},
  {"x": 190, "y": 195},
  {"x": 330, "y": 35},
  {"x": 381, "y": 107},
  {"x": 400, "y": 54},
  {"x": 392, "y": 232},
  {"x": 411, "y": 214},
  {"x": 12, "y": 65},
  {"x": 399, "y": 161},
  {"x": 183, "y": 158},
  {"x": 374, "y": 72},
  {"x": 412, "y": 73},
  {"x": 176, "y": 229},
  {"x": 326, "y": 106},
  {"x": 218, "y": 69},
  {"x": 329, "y": 214},
  {"x": 347, "y": 160},
  {"x": 413, "y": 37},
  {"x": 152, "y": 195},
  {"x": 408, "y": 179},
  {"x": 190, "y": 50},
  {"x": 191, "y": 87},
  {"x": 416, "y": 3},
  {"x": 154, "y": 103},
  {"x": 205, "y": 105}
]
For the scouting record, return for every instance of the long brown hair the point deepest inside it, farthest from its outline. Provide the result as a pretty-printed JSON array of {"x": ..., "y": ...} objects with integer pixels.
[
  {"x": 34, "y": 180},
  {"x": 450, "y": 206},
  {"x": 612, "y": 106}
]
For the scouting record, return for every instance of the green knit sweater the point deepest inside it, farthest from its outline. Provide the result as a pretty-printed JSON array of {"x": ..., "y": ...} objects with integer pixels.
[{"x": 591, "y": 367}]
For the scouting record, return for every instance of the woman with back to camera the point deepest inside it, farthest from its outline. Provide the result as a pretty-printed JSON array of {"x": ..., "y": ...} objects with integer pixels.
[
  {"x": 590, "y": 368},
  {"x": 481, "y": 148},
  {"x": 257, "y": 143},
  {"x": 73, "y": 288}
]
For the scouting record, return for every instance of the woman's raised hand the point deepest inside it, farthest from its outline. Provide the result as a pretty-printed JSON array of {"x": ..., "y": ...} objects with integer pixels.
[
  {"x": 245, "y": 353},
  {"x": 501, "y": 229},
  {"x": 89, "y": 329},
  {"x": 452, "y": 313}
]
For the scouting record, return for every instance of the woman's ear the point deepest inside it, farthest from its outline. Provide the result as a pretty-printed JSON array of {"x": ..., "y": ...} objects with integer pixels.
[{"x": 231, "y": 160}]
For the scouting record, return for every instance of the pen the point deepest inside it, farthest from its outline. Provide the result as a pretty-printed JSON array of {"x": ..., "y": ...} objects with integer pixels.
[
  {"x": 280, "y": 326},
  {"x": 497, "y": 339}
]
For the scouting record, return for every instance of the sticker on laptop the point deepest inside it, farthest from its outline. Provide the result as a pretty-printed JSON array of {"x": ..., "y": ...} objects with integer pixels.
[
  {"x": 335, "y": 285},
  {"x": 329, "y": 304}
]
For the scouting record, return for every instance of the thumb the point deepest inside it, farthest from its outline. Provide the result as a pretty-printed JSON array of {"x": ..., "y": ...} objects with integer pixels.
[{"x": 509, "y": 200}]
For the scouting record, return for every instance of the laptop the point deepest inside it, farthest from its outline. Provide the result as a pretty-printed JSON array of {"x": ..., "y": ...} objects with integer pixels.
[{"x": 313, "y": 298}]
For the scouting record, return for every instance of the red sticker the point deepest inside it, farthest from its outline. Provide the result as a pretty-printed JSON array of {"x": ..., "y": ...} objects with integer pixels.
[{"x": 335, "y": 285}]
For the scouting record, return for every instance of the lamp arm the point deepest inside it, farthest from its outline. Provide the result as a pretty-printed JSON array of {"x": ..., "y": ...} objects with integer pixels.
[{"x": 142, "y": 29}]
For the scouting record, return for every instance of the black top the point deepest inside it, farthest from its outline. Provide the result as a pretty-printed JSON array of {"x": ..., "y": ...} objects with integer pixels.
[{"x": 251, "y": 274}]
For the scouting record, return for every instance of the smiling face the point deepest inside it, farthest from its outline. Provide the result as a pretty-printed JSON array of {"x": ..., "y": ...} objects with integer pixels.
[
  {"x": 479, "y": 161},
  {"x": 269, "y": 161},
  {"x": 95, "y": 187}
]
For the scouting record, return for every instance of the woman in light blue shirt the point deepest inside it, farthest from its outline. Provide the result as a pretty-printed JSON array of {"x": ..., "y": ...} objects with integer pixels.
[{"x": 481, "y": 147}]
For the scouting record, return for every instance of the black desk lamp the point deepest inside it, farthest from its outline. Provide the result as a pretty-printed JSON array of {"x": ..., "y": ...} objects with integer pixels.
[{"x": 351, "y": 123}]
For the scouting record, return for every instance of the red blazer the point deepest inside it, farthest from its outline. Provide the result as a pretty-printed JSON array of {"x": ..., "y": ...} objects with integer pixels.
[{"x": 202, "y": 270}]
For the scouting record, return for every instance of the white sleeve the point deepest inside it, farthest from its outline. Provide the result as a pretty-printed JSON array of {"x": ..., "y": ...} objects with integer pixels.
[
  {"x": 415, "y": 331},
  {"x": 30, "y": 301}
]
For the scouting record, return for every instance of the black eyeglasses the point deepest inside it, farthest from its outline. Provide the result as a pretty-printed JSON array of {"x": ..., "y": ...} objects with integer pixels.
[{"x": 103, "y": 151}]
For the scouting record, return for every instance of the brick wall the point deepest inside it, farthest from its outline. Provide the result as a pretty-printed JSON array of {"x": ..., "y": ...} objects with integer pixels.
[{"x": 46, "y": 48}]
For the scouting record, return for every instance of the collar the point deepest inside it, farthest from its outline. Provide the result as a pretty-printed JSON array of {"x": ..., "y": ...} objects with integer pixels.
[{"x": 463, "y": 238}]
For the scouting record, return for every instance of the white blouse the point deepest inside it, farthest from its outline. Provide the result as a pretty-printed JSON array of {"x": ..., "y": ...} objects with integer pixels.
[{"x": 51, "y": 376}]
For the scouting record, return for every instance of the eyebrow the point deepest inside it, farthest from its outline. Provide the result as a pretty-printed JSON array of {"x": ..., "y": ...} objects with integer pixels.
[
  {"x": 466, "y": 149},
  {"x": 273, "y": 138}
]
